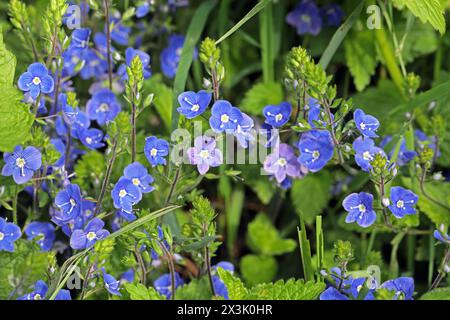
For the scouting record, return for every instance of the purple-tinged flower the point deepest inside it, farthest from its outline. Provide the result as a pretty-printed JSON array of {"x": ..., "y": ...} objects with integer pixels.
[
  {"x": 22, "y": 163},
  {"x": 193, "y": 104},
  {"x": 142, "y": 10},
  {"x": 69, "y": 202},
  {"x": 164, "y": 284},
  {"x": 305, "y": 18},
  {"x": 316, "y": 149},
  {"x": 244, "y": 132},
  {"x": 225, "y": 117},
  {"x": 204, "y": 154},
  {"x": 126, "y": 194},
  {"x": 278, "y": 115},
  {"x": 119, "y": 33},
  {"x": 403, "y": 202},
  {"x": 282, "y": 163},
  {"x": 130, "y": 54},
  {"x": 103, "y": 106},
  {"x": 403, "y": 287},
  {"x": 9, "y": 233},
  {"x": 365, "y": 151},
  {"x": 36, "y": 80},
  {"x": 156, "y": 150},
  {"x": 92, "y": 138},
  {"x": 441, "y": 235},
  {"x": 359, "y": 208},
  {"x": 138, "y": 174},
  {"x": 43, "y": 233},
  {"x": 332, "y": 14},
  {"x": 111, "y": 284},
  {"x": 87, "y": 209},
  {"x": 366, "y": 124},
  {"x": 170, "y": 56},
  {"x": 40, "y": 291},
  {"x": 87, "y": 237},
  {"x": 271, "y": 135}
]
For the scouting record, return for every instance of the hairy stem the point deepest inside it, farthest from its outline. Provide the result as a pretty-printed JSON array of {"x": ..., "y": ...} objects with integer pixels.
[{"x": 173, "y": 185}]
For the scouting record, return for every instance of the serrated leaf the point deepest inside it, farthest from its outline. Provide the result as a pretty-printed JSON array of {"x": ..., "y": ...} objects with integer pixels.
[
  {"x": 265, "y": 272},
  {"x": 7, "y": 64},
  {"x": 264, "y": 238},
  {"x": 430, "y": 11},
  {"x": 437, "y": 294},
  {"x": 235, "y": 287},
  {"x": 140, "y": 292},
  {"x": 289, "y": 290},
  {"x": 197, "y": 289},
  {"x": 261, "y": 95},
  {"x": 311, "y": 194}
]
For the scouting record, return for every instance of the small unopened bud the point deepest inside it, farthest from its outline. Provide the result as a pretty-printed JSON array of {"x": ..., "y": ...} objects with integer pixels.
[
  {"x": 386, "y": 202},
  {"x": 438, "y": 176},
  {"x": 447, "y": 268}
]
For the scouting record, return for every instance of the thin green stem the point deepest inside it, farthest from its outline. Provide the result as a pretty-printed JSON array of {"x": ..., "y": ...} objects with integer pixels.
[{"x": 108, "y": 42}]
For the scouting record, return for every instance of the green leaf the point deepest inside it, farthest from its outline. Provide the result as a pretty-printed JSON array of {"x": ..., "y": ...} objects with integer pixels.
[
  {"x": 360, "y": 54},
  {"x": 235, "y": 287},
  {"x": 266, "y": 36},
  {"x": 311, "y": 195},
  {"x": 234, "y": 213},
  {"x": 16, "y": 119},
  {"x": 287, "y": 290},
  {"x": 90, "y": 170},
  {"x": 437, "y": 294},
  {"x": 7, "y": 64},
  {"x": 430, "y": 11},
  {"x": 261, "y": 95},
  {"x": 265, "y": 272},
  {"x": 140, "y": 292},
  {"x": 197, "y": 289},
  {"x": 163, "y": 98},
  {"x": 264, "y": 238}
]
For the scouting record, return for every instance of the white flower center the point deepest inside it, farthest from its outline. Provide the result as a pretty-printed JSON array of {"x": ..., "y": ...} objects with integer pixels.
[
  {"x": 316, "y": 154},
  {"x": 2, "y": 236},
  {"x": 400, "y": 204},
  {"x": 122, "y": 193},
  {"x": 20, "y": 162},
  {"x": 362, "y": 208},
  {"x": 204, "y": 154},
  {"x": 362, "y": 125},
  {"x": 367, "y": 156},
  {"x": 37, "y": 297},
  {"x": 278, "y": 117},
  {"x": 282, "y": 162},
  {"x": 358, "y": 288},
  {"x": 224, "y": 118},
  {"x": 91, "y": 236},
  {"x": 72, "y": 202},
  {"x": 195, "y": 107},
  {"x": 136, "y": 181},
  {"x": 104, "y": 107},
  {"x": 36, "y": 81},
  {"x": 153, "y": 152},
  {"x": 88, "y": 140}
]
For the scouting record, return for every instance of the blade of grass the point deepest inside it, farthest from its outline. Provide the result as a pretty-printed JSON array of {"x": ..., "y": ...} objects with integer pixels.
[
  {"x": 193, "y": 34},
  {"x": 305, "y": 252},
  {"x": 319, "y": 243},
  {"x": 266, "y": 37},
  {"x": 234, "y": 213},
  {"x": 339, "y": 36},
  {"x": 257, "y": 8}
]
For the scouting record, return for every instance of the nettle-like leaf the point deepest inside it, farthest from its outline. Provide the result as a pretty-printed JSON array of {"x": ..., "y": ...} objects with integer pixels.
[
  {"x": 437, "y": 294},
  {"x": 264, "y": 238},
  {"x": 20, "y": 269},
  {"x": 428, "y": 11},
  {"x": 163, "y": 97},
  {"x": 140, "y": 292},
  {"x": 265, "y": 272},
  {"x": 311, "y": 194},
  {"x": 287, "y": 290},
  {"x": 7, "y": 64},
  {"x": 261, "y": 95},
  {"x": 90, "y": 170},
  {"x": 197, "y": 289},
  {"x": 236, "y": 288},
  {"x": 361, "y": 57}
]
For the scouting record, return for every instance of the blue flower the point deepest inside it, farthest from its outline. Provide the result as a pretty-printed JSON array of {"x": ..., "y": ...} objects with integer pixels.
[
  {"x": 332, "y": 14},
  {"x": 219, "y": 286},
  {"x": 403, "y": 202},
  {"x": 282, "y": 163},
  {"x": 138, "y": 174},
  {"x": 316, "y": 149},
  {"x": 87, "y": 237},
  {"x": 61, "y": 149},
  {"x": 92, "y": 138},
  {"x": 95, "y": 65},
  {"x": 333, "y": 294},
  {"x": 142, "y": 10},
  {"x": 156, "y": 150},
  {"x": 278, "y": 115},
  {"x": 193, "y": 104},
  {"x": 404, "y": 155},
  {"x": 36, "y": 80},
  {"x": 424, "y": 141},
  {"x": 111, "y": 284},
  {"x": 225, "y": 117},
  {"x": 359, "y": 208},
  {"x": 69, "y": 202},
  {"x": 365, "y": 152},
  {"x": 170, "y": 56},
  {"x": 244, "y": 132},
  {"x": 204, "y": 154},
  {"x": 43, "y": 232},
  {"x": 127, "y": 276},
  {"x": 79, "y": 125},
  {"x": 9, "y": 233},
  {"x": 130, "y": 53},
  {"x": 40, "y": 291},
  {"x": 80, "y": 39},
  {"x": 403, "y": 287},
  {"x": 315, "y": 113},
  {"x": 366, "y": 124},
  {"x": 42, "y": 109},
  {"x": 164, "y": 284},
  {"x": 119, "y": 33},
  {"x": 305, "y": 18},
  {"x": 22, "y": 163},
  {"x": 126, "y": 194},
  {"x": 103, "y": 106},
  {"x": 441, "y": 235}
]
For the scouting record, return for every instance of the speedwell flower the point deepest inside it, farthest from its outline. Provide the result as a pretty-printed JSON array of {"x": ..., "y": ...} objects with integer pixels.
[
  {"x": 156, "y": 150},
  {"x": 40, "y": 291},
  {"x": 130, "y": 53},
  {"x": 111, "y": 284},
  {"x": 103, "y": 106},
  {"x": 92, "y": 138},
  {"x": 225, "y": 117},
  {"x": 365, "y": 151},
  {"x": 22, "y": 163},
  {"x": 126, "y": 194},
  {"x": 359, "y": 208},
  {"x": 441, "y": 235},
  {"x": 170, "y": 56},
  {"x": 36, "y": 80},
  {"x": 332, "y": 14},
  {"x": 282, "y": 163},
  {"x": 316, "y": 149},
  {"x": 204, "y": 154},
  {"x": 164, "y": 284},
  {"x": 305, "y": 18},
  {"x": 244, "y": 132},
  {"x": 87, "y": 237},
  {"x": 43, "y": 233},
  {"x": 193, "y": 104},
  {"x": 69, "y": 202},
  {"x": 9, "y": 233},
  {"x": 403, "y": 287},
  {"x": 366, "y": 124},
  {"x": 403, "y": 202},
  {"x": 278, "y": 115},
  {"x": 138, "y": 174}
]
